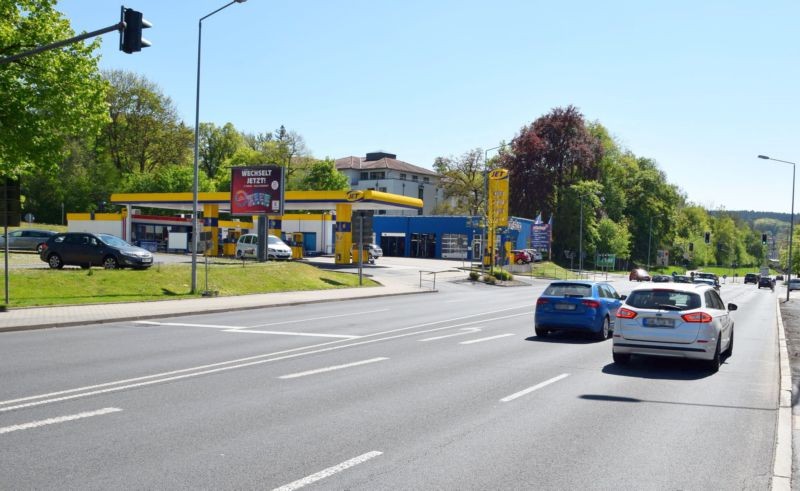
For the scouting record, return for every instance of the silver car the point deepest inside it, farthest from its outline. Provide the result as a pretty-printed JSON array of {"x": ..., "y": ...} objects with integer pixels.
[
  {"x": 26, "y": 239},
  {"x": 674, "y": 320}
]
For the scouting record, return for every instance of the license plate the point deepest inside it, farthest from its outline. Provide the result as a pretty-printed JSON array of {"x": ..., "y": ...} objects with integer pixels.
[
  {"x": 658, "y": 322},
  {"x": 147, "y": 259},
  {"x": 565, "y": 306}
]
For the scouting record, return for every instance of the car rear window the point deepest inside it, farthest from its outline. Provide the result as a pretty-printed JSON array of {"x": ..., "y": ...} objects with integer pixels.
[
  {"x": 568, "y": 290},
  {"x": 655, "y": 299}
]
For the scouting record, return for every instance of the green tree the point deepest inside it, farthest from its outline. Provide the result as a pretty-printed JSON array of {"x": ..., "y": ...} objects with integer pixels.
[
  {"x": 462, "y": 181},
  {"x": 323, "y": 176},
  {"x": 145, "y": 132},
  {"x": 216, "y": 145},
  {"x": 49, "y": 97},
  {"x": 613, "y": 238},
  {"x": 172, "y": 179}
]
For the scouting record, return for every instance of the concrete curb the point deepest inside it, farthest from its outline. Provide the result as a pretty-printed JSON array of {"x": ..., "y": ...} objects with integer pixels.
[{"x": 782, "y": 465}]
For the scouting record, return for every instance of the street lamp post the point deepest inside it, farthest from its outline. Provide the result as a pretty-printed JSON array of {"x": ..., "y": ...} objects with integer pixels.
[
  {"x": 196, "y": 182},
  {"x": 791, "y": 222},
  {"x": 649, "y": 241},
  {"x": 580, "y": 237}
]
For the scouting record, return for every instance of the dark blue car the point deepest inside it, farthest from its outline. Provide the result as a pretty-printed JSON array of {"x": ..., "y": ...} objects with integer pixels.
[{"x": 587, "y": 306}]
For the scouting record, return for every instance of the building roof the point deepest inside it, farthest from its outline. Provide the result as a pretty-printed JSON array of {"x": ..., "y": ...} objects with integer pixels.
[{"x": 361, "y": 163}]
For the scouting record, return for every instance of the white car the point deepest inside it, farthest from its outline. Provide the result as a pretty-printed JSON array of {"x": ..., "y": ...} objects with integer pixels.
[
  {"x": 794, "y": 284},
  {"x": 247, "y": 245},
  {"x": 674, "y": 320}
]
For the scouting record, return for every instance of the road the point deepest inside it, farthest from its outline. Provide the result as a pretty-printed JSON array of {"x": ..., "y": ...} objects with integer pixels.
[{"x": 449, "y": 390}]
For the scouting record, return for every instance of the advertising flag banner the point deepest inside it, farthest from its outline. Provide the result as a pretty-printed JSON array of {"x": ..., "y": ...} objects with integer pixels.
[
  {"x": 498, "y": 197},
  {"x": 257, "y": 190}
]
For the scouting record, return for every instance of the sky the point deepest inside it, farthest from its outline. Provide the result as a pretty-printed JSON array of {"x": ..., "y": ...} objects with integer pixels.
[{"x": 701, "y": 87}]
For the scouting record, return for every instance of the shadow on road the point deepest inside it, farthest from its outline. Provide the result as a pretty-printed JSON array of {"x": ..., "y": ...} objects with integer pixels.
[{"x": 659, "y": 368}]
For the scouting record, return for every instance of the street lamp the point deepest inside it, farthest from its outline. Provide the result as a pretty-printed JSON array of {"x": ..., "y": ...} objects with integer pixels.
[
  {"x": 649, "y": 240},
  {"x": 580, "y": 237},
  {"x": 791, "y": 222},
  {"x": 196, "y": 183}
]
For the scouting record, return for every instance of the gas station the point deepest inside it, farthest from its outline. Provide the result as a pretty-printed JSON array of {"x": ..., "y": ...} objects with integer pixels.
[{"x": 340, "y": 206}]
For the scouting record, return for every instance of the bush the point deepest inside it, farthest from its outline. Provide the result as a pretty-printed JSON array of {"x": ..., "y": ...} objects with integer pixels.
[
  {"x": 502, "y": 275},
  {"x": 489, "y": 279},
  {"x": 473, "y": 276}
]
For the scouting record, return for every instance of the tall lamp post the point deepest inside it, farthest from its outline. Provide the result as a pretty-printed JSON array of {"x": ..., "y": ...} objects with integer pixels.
[
  {"x": 196, "y": 183},
  {"x": 791, "y": 222},
  {"x": 580, "y": 237},
  {"x": 649, "y": 241}
]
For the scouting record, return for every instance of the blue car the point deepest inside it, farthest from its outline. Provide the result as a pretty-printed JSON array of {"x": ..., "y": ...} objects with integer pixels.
[{"x": 584, "y": 306}]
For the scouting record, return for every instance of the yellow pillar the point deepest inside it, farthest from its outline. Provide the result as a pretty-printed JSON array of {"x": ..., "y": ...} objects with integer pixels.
[
  {"x": 344, "y": 233},
  {"x": 274, "y": 225},
  {"x": 212, "y": 213}
]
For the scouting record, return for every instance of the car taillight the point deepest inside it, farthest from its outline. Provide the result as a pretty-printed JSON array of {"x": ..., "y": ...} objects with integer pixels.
[
  {"x": 624, "y": 313},
  {"x": 699, "y": 317},
  {"x": 592, "y": 304},
  {"x": 542, "y": 301}
]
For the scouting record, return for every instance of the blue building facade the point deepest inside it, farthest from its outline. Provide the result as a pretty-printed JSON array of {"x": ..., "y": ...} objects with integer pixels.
[{"x": 443, "y": 237}]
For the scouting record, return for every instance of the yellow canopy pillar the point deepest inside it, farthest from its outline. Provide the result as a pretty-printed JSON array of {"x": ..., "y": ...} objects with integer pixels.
[
  {"x": 344, "y": 235},
  {"x": 274, "y": 225},
  {"x": 211, "y": 224}
]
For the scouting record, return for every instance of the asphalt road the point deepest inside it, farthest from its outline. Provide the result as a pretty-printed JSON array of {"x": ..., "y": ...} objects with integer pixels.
[{"x": 442, "y": 391}]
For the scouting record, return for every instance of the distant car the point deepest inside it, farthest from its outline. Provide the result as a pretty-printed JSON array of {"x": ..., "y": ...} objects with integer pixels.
[
  {"x": 521, "y": 257},
  {"x": 585, "y": 306},
  {"x": 681, "y": 278},
  {"x": 707, "y": 276},
  {"x": 675, "y": 321},
  {"x": 751, "y": 278},
  {"x": 705, "y": 281},
  {"x": 26, "y": 239},
  {"x": 535, "y": 255},
  {"x": 794, "y": 284},
  {"x": 87, "y": 250},
  {"x": 639, "y": 275},
  {"x": 766, "y": 282},
  {"x": 374, "y": 252},
  {"x": 247, "y": 246},
  {"x": 662, "y": 278}
]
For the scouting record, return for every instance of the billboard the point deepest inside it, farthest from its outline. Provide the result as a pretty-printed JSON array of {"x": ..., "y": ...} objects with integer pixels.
[
  {"x": 257, "y": 190},
  {"x": 540, "y": 236},
  {"x": 498, "y": 198}
]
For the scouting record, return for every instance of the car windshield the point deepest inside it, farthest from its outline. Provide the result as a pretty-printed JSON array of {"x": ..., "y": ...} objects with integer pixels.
[
  {"x": 113, "y": 240},
  {"x": 663, "y": 299},
  {"x": 274, "y": 240},
  {"x": 568, "y": 290}
]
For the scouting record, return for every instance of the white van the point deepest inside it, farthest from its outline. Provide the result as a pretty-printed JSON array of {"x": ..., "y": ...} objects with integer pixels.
[{"x": 247, "y": 245}]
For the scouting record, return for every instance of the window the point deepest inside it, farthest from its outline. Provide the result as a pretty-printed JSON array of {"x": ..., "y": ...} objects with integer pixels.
[
  {"x": 365, "y": 175},
  {"x": 415, "y": 178},
  {"x": 425, "y": 179},
  {"x": 402, "y": 177},
  {"x": 568, "y": 290},
  {"x": 377, "y": 175},
  {"x": 454, "y": 246},
  {"x": 382, "y": 189},
  {"x": 651, "y": 299}
]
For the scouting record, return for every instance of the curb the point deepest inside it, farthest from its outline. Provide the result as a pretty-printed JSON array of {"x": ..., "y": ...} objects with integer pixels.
[{"x": 782, "y": 465}]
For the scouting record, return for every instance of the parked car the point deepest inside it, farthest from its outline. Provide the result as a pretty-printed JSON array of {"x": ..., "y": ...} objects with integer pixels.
[
  {"x": 585, "y": 306},
  {"x": 639, "y": 275},
  {"x": 675, "y": 321},
  {"x": 794, "y": 284},
  {"x": 374, "y": 252},
  {"x": 86, "y": 250},
  {"x": 708, "y": 276},
  {"x": 681, "y": 278},
  {"x": 751, "y": 278},
  {"x": 766, "y": 282},
  {"x": 521, "y": 257},
  {"x": 662, "y": 278},
  {"x": 535, "y": 255},
  {"x": 705, "y": 281},
  {"x": 26, "y": 239},
  {"x": 247, "y": 245}
]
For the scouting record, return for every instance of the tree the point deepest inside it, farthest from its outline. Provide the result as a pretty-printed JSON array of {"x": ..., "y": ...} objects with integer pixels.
[
  {"x": 547, "y": 157},
  {"x": 145, "y": 132},
  {"x": 216, "y": 145},
  {"x": 613, "y": 238},
  {"x": 172, "y": 179},
  {"x": 462, "y": 181},
  {"x": 323, "y": 176},
  {"x": 281, "y": 147},
  {"x": 49, "y": 97}
]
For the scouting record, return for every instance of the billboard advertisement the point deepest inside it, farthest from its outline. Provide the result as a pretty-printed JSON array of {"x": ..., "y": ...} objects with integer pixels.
[
  {"x": 540, "y": 236},
  {"x": 257, "y": 190}
]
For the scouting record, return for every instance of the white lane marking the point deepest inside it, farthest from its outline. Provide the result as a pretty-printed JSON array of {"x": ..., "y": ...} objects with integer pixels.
[
  {"x": 283, "y": 333},
  {"x": 329, "y": 471},
  {"x": 221, "y": 326},
  {"x": 321, "y": 318},
  {"x": 185, "y": 324},
  {"x": 244, "y": 362},
  {"x": 332, "y": 368},
  {"x": 535, "y": 387},
  {"x": 465, "y": 330},
  {"x": 60, "y": 419},
  {"x": 480, "y": 340}
]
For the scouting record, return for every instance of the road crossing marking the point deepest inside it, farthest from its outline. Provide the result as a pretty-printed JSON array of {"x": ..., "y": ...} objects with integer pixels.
[
  {"x": 535, "y": 387},
  {"x": 330, "y": 369},
  {"x": 465, "y": 330},
  {"x": 60, "y": 419},
  {"x": 480, "y": 340},
  {"x": 329, "y": 471}
]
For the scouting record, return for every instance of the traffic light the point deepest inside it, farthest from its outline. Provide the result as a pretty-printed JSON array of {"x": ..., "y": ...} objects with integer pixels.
[
  {"x": 691, "y": 246},
  {"x": 130, "y": 37},
  {"x": 764, "y": 239},
  {"x": 707, "y": 238}
]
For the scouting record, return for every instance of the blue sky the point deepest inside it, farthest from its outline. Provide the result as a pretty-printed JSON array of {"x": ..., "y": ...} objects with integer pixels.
[{"x": 702, "y": 87}]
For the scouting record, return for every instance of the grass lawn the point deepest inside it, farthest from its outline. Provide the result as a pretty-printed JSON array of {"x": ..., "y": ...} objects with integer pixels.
[{"x": 72, "y": 286}]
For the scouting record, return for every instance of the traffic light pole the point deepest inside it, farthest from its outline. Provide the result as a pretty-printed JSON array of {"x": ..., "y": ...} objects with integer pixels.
[{"x": 47, "y": 47}]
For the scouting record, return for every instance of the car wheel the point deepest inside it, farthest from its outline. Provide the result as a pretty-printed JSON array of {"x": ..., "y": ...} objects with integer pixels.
[
  {"x": 604, "y": 332},
  {"x": 55, "y": 261},
  {"x": 540, "y": 332},
  {"x": 239, "y": 254},
  {"x": 621, "y": 358},
  {"x": 729, "y": 351},
  {"x": 713, "y": 364},
  {"x": 39, "y": 248},
  {"x": 110, "y": 262}
]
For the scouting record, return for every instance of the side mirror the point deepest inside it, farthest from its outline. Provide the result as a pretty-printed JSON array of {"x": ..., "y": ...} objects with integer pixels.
[
  {"x": 623, "y": 297},
  {"x": 732, "y": 306}
]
